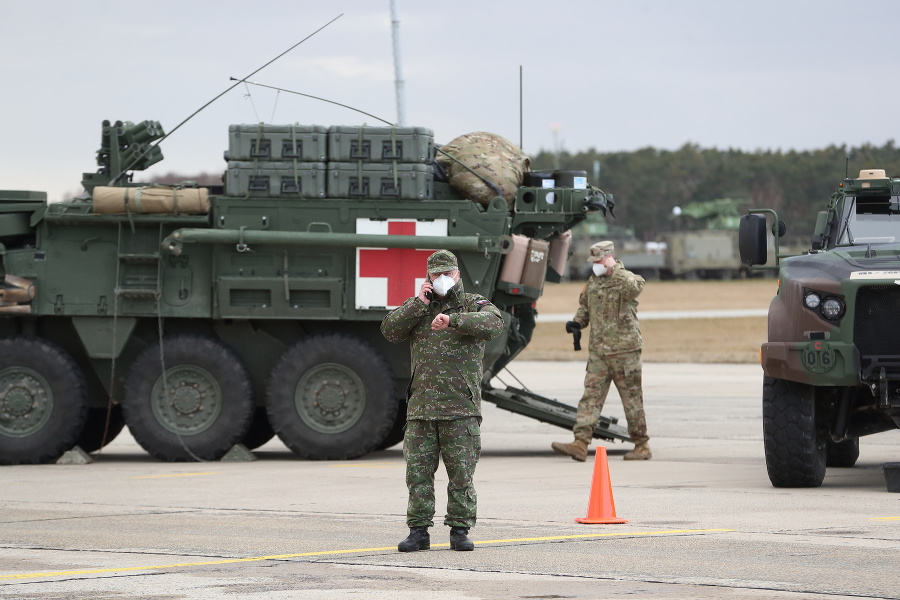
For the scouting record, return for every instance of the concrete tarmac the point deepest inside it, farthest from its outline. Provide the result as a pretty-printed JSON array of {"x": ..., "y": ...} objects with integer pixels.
[{"x": 703, "y": 519}]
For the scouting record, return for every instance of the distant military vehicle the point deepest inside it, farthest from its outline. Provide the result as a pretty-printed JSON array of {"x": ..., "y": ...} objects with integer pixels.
[
  {"x": 832, "y": 359},
  {"x": 205, "y": 318},
  {"x": 709, "y": 252}
]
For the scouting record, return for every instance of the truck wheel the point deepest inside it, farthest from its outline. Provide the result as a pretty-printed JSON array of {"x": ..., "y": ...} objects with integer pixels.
[
  {"x": 260, "y": 431},
  {"x": 842, "y": 454},
  {"x": 96, "y": 433},
  {"x": 331, "y": 397},
  {"x": 397, "y": 431},
  {"x": 198, "y": 409},
  {"x": 43, "y": 402},
  {"x": 795, "y": 448}
]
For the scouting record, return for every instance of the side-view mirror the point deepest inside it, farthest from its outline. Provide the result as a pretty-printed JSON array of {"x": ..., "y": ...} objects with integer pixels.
[
  {"x": 752, "y": 239},
  {"x": 818, "y": 237},
  {"x": 779, "y": 229}
]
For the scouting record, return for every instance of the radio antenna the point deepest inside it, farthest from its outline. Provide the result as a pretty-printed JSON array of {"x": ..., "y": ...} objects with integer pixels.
[
  {"x": 196, "y": 112},
  {"x": 520, "y": 108},
  {"x": 272, "y": 87}
]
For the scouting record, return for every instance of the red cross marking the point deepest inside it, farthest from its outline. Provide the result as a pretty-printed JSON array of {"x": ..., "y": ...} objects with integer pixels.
[{"x": 401, "y": 266}]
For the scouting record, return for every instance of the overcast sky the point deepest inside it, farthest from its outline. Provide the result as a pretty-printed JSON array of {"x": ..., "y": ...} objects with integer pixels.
[{"x": 605, "y": 74}]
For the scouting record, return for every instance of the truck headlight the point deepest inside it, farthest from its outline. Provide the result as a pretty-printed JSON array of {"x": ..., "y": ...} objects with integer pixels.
[
  {"x": 832, "y": 309},
  {"x": 812, "y": 300}
]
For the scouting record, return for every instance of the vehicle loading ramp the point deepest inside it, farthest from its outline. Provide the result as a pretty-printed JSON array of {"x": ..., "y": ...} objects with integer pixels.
[{"x": 543, "y": 409}]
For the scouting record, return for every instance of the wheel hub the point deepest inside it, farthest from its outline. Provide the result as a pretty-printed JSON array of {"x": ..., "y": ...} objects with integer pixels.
[
  {"x": 330, "y": 398},
  {"x": 186, "y": 400},
  {"x": 26, "y": 402},
  {"x": 18, "y": 402}
]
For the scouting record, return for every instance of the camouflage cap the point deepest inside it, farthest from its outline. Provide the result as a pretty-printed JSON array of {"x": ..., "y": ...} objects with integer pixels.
[
  {"x": 441, "y": 262},
  {"x": 600, "y": 250}
]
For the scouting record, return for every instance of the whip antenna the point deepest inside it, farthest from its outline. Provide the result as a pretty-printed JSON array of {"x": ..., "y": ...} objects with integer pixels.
[
  {"x": 150, "y": 147},
  {"x": 272, "y": 87}
]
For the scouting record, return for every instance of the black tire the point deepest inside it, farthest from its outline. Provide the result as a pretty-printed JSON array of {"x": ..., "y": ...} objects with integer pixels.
[
  {"x": 842, "y": 454},
  {"x": 395, "y": 436},
  {"x": 43, "y": 402},
  {"x": 331, "y": 397},
  {"x": 199, "y": 410},
  {"x": 260, "y": 431},
  {"x": 794, "y": 441},
  {"x": 96, "y": 433}
]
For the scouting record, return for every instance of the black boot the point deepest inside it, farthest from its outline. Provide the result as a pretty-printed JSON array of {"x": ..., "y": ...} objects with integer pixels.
[
  {"x": 418, "y": 539},
  {"x": 459, "y": 539}
]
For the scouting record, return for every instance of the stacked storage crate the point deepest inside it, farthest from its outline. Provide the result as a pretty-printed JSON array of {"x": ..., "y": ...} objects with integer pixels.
[
  {"x": 274, "y": 161},
  {"x": 380, "y": 162},
  {"x": 311, "y": 161}
]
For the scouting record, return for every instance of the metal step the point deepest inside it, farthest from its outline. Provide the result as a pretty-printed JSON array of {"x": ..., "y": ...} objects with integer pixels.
[
  {"x": 550, "y": 411},
  {"x": 136, "y": 293},
  {"x": 139, "y": 258}
]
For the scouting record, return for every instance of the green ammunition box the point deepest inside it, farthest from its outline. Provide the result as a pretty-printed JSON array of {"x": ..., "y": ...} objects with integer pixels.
[
  {"x": 380, "y": 144},
  {"x": 380, "y": 180},
  {"x": 283, "y": 179},
  {"x": 306, "y": 143}
]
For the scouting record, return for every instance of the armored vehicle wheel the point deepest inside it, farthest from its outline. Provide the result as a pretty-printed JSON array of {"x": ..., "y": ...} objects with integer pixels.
[
  {"x": 842, "y": 454},
  {"x": 331, "y": 397},
  {"x": 260, "y": 431},
  {"x": 96, "y": 433},
  {"x": 43, "y": 403},
  {"x": 795, "y": 447},
  {"x": 197, "y": 409},
  {"x": 397, "y": 431}
]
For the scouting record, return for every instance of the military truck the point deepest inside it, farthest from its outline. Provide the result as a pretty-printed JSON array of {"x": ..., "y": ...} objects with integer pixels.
[
  {"x": 205, "y": 318},
  {"x": 706, "y": 249},
  {"x": 832, "y": 360}
]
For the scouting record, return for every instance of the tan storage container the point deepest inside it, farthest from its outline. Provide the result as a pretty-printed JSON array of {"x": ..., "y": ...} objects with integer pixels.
[
  {"x": 514, "y": 262},
  {"x": 536, "y": 264},
  {"x": 559, "y": 253}
]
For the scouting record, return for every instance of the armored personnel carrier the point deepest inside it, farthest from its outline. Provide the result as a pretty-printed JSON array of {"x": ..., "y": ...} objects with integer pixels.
[
  {"x": 204, "y": 318},
  {"x": 832, "y": 359}
]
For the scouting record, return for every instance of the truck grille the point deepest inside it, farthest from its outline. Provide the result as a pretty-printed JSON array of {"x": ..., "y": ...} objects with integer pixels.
[{"x": 876, "y": 325}]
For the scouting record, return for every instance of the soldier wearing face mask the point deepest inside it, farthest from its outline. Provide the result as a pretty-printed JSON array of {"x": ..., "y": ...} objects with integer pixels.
[
  {"x": 608, "y": 303},
  {"x": 447, "y": 329}
]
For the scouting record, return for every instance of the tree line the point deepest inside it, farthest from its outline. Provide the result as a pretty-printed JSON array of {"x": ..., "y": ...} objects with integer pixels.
[{"x": 648, "y": 183}]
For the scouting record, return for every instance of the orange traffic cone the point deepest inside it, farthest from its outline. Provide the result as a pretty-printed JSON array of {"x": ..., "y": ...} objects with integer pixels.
[{"x": 601, "y": 507}]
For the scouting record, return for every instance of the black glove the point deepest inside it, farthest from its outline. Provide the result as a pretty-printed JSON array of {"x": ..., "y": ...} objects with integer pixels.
[{"x": 575, "y": 329}]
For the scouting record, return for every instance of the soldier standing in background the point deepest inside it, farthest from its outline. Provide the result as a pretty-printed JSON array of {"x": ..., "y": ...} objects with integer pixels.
[
  {"x": 608, "y": 303},
  {"x": 447, "y": 329}
]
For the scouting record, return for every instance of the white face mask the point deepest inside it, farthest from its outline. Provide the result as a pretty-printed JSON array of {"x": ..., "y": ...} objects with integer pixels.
[
  {"x": 600, "y": 269},
  {"x": 442, "y": 285}
]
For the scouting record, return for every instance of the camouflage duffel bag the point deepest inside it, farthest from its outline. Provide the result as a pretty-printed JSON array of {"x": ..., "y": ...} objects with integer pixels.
[{"x": 489, "y": 155}]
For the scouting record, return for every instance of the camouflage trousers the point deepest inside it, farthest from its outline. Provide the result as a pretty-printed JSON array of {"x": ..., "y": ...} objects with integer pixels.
[
  {"x": 625, "y": 371},
  {"x": 458, "y": 443}
]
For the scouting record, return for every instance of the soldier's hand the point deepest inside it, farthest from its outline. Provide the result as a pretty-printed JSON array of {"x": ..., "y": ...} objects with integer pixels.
[
  {"x": 440, "y": 322},
  {"x": 426, "y": 292},
  {"x": 575, "y": 329}
]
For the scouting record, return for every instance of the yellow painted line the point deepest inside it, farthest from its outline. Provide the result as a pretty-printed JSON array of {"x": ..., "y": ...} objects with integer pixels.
[
  {"x": 174, "y": 475},
  {"x": 367, "y": 466},
  {"x": 885, "y": 519},
  {"x": 357, "y": 550}
]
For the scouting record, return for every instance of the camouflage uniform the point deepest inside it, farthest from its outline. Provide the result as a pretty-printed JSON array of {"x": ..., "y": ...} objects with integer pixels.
[
  {"x": 444, "y": 397},
  {"x": 609, "y": 304}
]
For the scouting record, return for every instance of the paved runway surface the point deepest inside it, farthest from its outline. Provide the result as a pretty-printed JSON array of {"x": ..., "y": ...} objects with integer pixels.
[{"x": 703, "y": 520}]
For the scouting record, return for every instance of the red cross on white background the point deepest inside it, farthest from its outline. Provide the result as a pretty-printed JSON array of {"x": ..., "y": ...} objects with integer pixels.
[{"x": 386, "y": 277}]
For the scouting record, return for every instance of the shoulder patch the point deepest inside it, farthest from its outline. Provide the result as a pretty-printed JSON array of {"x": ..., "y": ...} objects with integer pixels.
[{"x": 482, "y": 302}]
